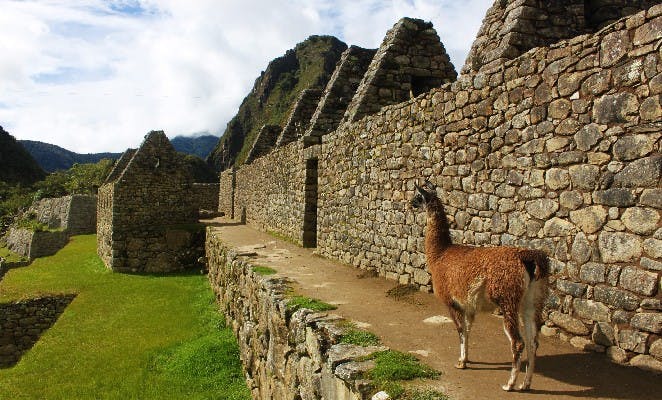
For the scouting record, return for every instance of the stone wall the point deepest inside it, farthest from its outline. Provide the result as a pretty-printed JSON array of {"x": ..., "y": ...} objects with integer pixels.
[
  {"x": 206, "y": 196},
  {"x": 511, "y": 27},
  {"x": 264, "y": 141},
  {"x": 300, "y": 116},
  {"x": 411, "y": 60},
  {"x": 558, "y": 149},
  {"x": 270, "y": 192},
  {"x": 286, "y": 354},
  {"x": 147, "y": 216},
  {"x": 23, "y": 322},
  {"x": 338, "y": 93},
  {"x": 31, "y": 244},
  {"x": 76, "y": 214},
  {"x": 226, "y": 192}
]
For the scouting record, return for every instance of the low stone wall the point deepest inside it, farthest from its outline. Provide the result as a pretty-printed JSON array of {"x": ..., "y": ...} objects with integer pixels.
[
  {"x": 33, "y": 244},
  {"x": 206, "y": 196},
  {"x": 77, "y": 214},
  {"x": 23, "y": 322},
  {"x": 286, "y": 355}
]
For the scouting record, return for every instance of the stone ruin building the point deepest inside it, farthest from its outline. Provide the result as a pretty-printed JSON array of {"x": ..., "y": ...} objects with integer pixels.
[
  {"x": 148, "y": 211},
  {"x": 549, "y": 139}
]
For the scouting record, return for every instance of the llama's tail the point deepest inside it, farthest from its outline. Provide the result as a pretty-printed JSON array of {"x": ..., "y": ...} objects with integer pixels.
[{"x": 536, "y": 264}]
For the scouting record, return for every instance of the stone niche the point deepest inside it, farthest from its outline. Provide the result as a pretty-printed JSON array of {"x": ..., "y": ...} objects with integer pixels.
[{"x": 23, "y": 322}]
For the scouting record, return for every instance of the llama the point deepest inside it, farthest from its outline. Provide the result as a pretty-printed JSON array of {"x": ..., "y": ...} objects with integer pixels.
[{"x": 514, "y": 279}]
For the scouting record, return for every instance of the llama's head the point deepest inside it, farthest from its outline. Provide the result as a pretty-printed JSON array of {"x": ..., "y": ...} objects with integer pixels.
[{"x": 423, "y": 194}]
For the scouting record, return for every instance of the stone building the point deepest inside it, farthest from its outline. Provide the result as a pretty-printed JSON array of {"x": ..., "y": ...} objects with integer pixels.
[
  {"x": 147, "y": 218},
  {"x": 550, "y": 139}
]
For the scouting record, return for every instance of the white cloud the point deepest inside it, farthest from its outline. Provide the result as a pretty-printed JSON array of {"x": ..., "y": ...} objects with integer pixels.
[{"x": 96, "y": 76}]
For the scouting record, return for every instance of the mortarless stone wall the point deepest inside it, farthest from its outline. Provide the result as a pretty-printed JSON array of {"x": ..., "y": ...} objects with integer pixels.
[
  {"x": 147, "y": 217},
  {"x": 270, "y": 192},
  {"x": 558, "y": 149},
  {"x": 226, "y": 192},
  {"x": 286, "y": 353},
  {"x": 206, "y": 196},
  {"x": 23, "y": 322}
]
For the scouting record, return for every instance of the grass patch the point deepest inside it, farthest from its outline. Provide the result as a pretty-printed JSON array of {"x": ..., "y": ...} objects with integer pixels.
[
  {"x": 392, "y": 367},
  {"x": 283, "y": 237},
  {"x": 296, "y": 302},
  {"x": 262, "y": 270},
  {"x": 124, "y": 336},
  {"x": 10, "y": 256},
  {"x": 360, "y": 338}
]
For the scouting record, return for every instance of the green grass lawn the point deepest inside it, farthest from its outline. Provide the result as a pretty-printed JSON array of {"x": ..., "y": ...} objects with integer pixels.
[{"x": 123, "y": 336}]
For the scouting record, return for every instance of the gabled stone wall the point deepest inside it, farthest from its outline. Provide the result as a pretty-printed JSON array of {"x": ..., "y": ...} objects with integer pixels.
[
  {"x": 338, "y": 93},
  {"x": 410, "y": 61},
  {"x": 512, "y": 27},
  {"x": 264, "y": 142},
  {"x": 147, "y": 216},
  {"x": 300, "y": 116},
  {"x": 226, "y": 192}
]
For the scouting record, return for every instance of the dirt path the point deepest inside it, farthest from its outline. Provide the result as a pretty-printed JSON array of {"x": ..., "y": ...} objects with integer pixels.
[{"x": 415, "y": 323}]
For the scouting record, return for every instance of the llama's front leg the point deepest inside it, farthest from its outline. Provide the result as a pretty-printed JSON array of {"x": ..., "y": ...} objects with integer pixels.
[
  {"x": 511, "y": 327},
  {"x": 458, "y": 317}
]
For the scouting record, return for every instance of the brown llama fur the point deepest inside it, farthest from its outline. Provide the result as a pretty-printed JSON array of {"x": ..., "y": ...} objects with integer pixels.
[{"x": 464, "y": 277}]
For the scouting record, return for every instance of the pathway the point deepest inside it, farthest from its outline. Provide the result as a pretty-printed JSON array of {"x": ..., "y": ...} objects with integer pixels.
[{"x": 415, "y": 323}]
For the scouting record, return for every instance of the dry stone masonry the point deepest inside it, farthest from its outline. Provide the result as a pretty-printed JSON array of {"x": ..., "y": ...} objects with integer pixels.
[
  {"x": 340, "y": 90},
  {"x": 410, "y": 61},
  {"x": 287, "y": 354},
  {"x": 300, "y": 116},
  {"x": 265, "y": 141},
  {"x": 556, "y": 148},
  {"x": 147, "y": 217},
  {"x": 23, "y": 322},
  {"x": 63, "y": 216},
  {"x": 511, "y": 28}
]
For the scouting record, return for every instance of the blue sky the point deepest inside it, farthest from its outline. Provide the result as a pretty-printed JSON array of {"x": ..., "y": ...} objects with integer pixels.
[{"x": 96, "y": 75}]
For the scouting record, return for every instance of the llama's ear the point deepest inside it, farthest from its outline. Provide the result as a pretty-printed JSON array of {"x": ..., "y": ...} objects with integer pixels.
[{"x": 429, "y": 185}]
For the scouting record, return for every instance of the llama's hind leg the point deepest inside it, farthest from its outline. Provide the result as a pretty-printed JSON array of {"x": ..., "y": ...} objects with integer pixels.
[
  {"x": 531, "y": 316},
  {"x": 511, "y": 327},
  {"x": 458, "y": 317}
]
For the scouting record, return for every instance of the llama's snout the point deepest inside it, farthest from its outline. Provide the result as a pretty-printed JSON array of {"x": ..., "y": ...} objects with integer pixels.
[{"x": 417, "y": 201}]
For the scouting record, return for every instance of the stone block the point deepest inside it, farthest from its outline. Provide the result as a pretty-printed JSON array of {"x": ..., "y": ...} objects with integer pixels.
[
  {"x": 569, "y": 323},
  {"x": 584, "y": 177},
  {"x": 593, "y": 272},
  {"x": 591, "y": 310},
  {"x": 619, "y": 247},
  {"x": 581, "y": 249},
  {"x": 644, "y": 172},
  {"x": 656, "y": 349},
  {"x": 556, "y": 178},
  {"x": 615, "y": 197},
  {"x": 572, "y": 288},
  {"x": 589, "y": 219},
  {"x": 617, "y": 355},
  {"x": 639, "y": 281},
  {"x": 632, "y": 147},
  {"x": 653, "y": 247},
  {"x": 542, "y": 208},
  {"x": 614, "y": 108},
  {"x": 652, "y": 198},
  {"x": 641, "y": 220},
  {"x": 603, "y": 334},
  {"x": 632, "y": 340},
  {"x": 646, "y": 362},
  {"x": 616, "y": 297},
  {"x": 649, "y": 322}
]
